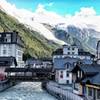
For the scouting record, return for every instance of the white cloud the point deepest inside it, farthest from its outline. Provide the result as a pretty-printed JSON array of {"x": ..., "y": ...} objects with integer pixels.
[
  {"x": 40, "y": 8},
  {"x": 86, "y": 17},
  {"x": 25, "y": 17},
  {"x": 44, "y": 16},
  {"x": 86, "y": 12}
]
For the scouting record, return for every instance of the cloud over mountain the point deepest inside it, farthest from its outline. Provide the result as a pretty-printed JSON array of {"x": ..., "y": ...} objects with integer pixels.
[{"x": 86, "y": 18}]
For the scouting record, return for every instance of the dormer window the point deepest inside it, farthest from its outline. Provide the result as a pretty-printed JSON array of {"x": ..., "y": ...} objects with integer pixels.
[
  {"x": 73, "y": 48},
  {"x": 67, "y": 65}
]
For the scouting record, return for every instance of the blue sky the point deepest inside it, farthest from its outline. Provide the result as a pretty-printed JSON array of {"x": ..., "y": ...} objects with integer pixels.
[{"x": 59, "y": 6}]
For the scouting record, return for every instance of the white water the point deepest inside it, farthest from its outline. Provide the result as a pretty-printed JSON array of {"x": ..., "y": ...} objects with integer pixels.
[{"x": 26, "y": 91}]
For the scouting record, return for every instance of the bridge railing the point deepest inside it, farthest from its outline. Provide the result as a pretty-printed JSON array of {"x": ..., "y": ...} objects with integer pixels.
[
  {"x": 39, "y": 66},
  {"x": 28, "y": 70}
]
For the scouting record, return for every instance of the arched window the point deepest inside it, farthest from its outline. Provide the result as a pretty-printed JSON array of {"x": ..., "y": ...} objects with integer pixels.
[{"x": 67, "y": 65}]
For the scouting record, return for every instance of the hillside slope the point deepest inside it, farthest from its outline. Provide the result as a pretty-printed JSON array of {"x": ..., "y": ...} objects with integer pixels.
[
  {"x": 35, "y": 44},
  {"x": 84, "y": 38}
]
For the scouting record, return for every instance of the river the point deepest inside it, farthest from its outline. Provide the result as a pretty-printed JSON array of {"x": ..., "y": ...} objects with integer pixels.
[{"x": 26, "y": 91}]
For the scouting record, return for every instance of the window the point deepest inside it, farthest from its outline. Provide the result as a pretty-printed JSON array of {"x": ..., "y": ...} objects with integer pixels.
[
  {"x": 61, "y": 74},
  {"x": 89, "y": 91},
  {"x": 19, "y": 53},
  {"x": 69, "y": 48},
  {"x": 67, "y": 65},
  {"x": 67, "y": 74},
  {"x": 8, "y": 38},
  {"x": 98, "y": 94},
  {"x": 10, "y": 50},
  {"x": 73, "y": 48},
  {"x": 4, "y": 50},
  {"x": 74, "y": 63},
  {"x": 19, "y": 59},
  {"x": 73, "y": 53},
  {"x": 78, "y": 74},
  {"x": 67, "y": 81},
  {"x": 81, "y": 74},
  {"x": 68, "y": 53}
]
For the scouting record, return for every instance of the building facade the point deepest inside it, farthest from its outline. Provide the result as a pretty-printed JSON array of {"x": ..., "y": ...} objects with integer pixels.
[
  {"x": 72, "y": 51},
  {"x": 65, "y": 58},
  {"x": 62, "y": 67},
  {"x": 11, "y": 44},
  {"x": 86, "y": 81}
]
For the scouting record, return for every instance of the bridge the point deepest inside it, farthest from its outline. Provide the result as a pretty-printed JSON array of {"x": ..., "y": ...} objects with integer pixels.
[{"x": 29, "y": 74}]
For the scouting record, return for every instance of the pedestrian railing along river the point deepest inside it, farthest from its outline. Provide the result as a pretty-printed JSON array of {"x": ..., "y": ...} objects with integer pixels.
[{"x": 68, "y": 95}]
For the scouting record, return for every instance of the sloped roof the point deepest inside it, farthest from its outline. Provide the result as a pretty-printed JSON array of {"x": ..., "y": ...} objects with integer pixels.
[
  {"x": 91, "y": 71},
  {"x": 93, "y": 80},
  {"x": 83, "y": 65},
  {"x": 87, "y": 61},
  {"x": 90, "y": 68},
  {"x": 96, "y": 79},
  {"x": 81, "y": 52},
  {"x": 59, "y": 63}
]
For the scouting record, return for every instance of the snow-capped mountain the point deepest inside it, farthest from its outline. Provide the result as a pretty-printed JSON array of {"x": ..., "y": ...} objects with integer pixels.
[
  {"x": 84, "y": 33},
  {"x": 33, "y": 20},
  {"x": 84, "y": 26}
]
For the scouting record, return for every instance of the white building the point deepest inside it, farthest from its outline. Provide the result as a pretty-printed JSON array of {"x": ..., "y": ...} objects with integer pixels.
[
  {"x": 11, "y": 44},
  {"x": 63, "y": 77},
  {"x": 70, "y": 50},
  {"x": 65, "y": 58},
  {"x": 62, "y": 67}
]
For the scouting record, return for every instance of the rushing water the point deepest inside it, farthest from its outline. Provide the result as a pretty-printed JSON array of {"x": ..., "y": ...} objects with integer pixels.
[{"x": 26, "y": 91}]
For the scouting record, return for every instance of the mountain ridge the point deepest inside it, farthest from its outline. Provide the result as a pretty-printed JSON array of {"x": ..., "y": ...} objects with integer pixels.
[
  {"x": 78, "y": 29},
  {"x": 35, "y": 44}
]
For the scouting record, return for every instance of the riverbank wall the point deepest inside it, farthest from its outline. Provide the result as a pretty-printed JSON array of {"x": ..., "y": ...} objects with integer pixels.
[
  {"x": 56, "y": 95},
  {"x": 59, "y": 93},
  {"x": 5, "y": 84}
]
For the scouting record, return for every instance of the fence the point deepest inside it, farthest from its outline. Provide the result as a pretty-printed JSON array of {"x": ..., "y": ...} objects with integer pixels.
[{"x": 69, "y": 95}]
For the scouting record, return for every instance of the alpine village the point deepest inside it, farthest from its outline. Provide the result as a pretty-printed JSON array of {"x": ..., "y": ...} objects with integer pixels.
[{"x": 71, "y": 73}]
